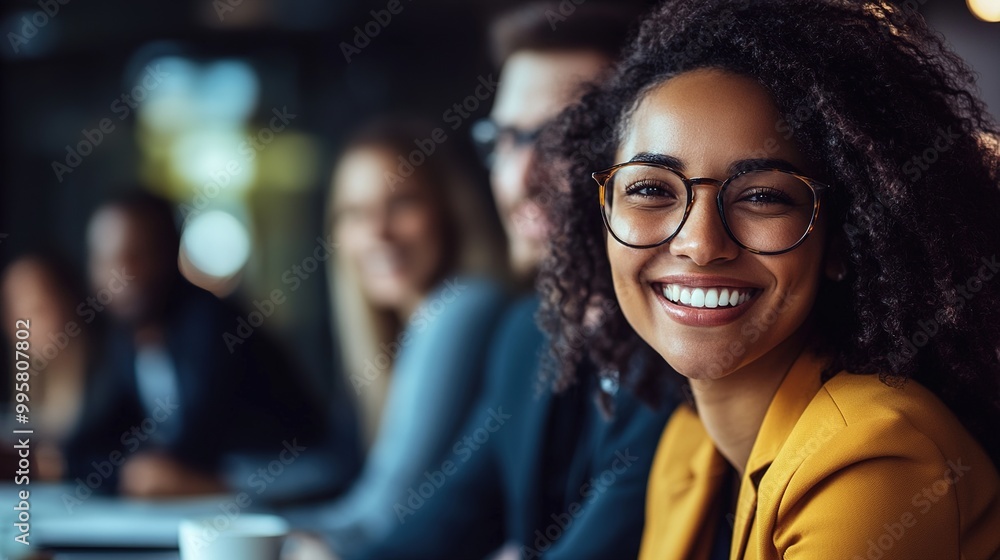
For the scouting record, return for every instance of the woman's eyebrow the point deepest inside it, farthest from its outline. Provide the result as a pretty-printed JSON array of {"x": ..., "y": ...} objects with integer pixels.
[
  {"x": 762, "y": 163},
  {"x": 735, "y": 167},
  {"x": 662, "y": 159}
]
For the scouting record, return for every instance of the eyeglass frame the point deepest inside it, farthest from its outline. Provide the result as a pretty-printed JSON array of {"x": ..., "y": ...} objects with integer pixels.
[
  {"x": 602, "y": 177},
  {"x": 521, "y": 137}
]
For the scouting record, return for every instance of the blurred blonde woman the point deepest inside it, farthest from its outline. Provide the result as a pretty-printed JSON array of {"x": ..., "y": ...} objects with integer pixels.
[{"x": 415, "y": 297}]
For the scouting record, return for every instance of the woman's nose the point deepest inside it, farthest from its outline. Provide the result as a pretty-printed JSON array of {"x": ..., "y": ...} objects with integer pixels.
[{"x": 703, "y": 237}]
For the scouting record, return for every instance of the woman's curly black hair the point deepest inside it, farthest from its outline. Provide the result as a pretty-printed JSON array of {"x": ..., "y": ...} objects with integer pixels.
[{"x": 889, "y": 116}]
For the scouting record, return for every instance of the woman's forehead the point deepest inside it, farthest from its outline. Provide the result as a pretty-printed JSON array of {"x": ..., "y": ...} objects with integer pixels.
[{"x": 708, "y": 116}]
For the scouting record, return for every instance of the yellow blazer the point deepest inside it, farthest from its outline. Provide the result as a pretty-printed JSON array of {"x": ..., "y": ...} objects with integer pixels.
[{"x": 850, "y": 469}]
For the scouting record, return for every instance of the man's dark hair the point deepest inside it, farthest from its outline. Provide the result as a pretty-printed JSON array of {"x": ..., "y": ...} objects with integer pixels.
[{"x": 550, "y": 26}]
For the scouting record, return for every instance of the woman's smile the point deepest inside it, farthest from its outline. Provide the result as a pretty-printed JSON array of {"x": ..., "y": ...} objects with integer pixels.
[{"x": 702, "y": 300}]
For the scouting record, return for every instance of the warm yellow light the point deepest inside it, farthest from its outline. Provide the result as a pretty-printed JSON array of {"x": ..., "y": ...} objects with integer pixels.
[{"x": 986, "y": 10}]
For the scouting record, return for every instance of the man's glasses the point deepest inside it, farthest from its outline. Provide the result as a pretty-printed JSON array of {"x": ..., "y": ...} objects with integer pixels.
[
  {"x": 765, "y": 211},
  {"x": 490, "y": 139}
]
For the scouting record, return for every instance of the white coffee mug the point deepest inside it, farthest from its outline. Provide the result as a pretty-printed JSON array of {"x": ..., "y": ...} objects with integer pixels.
[{"x": 245, "y": 537}]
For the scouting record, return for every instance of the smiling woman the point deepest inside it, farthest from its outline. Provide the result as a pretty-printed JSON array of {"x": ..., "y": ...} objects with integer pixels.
[
  {"x": 399, "y": 238},
  {"x": 415, "y": 305},
  {"x": 752, "y": 141},
  {"x": 689, "y": 120}
]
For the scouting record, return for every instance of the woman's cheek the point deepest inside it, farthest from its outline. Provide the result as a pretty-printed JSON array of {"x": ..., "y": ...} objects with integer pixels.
[
  {"x": 416, "y": 227},
  {"x": 350, "y": 240},
  {"x": 628, "y": 289}
]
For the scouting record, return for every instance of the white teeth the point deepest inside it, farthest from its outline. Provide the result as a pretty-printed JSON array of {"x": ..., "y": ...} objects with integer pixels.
[
  {"x": 698, "y": 298},
  {"x": 710, "y": 298}
]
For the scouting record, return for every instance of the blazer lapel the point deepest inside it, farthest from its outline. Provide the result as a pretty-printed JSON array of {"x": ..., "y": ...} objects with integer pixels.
[
  {"x": 682, "y": 508},
  {"x": 708, "y": 469},
  {"x": 746, "y": 509},
  {"x": 793, "y": 396}
]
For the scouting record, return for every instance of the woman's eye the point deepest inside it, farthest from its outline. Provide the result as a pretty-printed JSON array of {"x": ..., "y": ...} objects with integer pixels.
[
  {"x": 648, "y": 190},
  {"x": 765, "y": 196}
]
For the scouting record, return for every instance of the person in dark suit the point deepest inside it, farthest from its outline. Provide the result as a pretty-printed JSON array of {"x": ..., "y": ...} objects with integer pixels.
[
  {"x": 537, "y": 471},
  {"x": 546, "y": 474},
  {"x": 172, "y": 410}
]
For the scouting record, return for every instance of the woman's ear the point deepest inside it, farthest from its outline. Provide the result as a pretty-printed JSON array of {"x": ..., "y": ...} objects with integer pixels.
[{"x": 835, "y": 265}]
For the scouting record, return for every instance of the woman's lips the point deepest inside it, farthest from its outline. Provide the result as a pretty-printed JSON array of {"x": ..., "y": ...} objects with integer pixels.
[{"x": 704, "y": 306}]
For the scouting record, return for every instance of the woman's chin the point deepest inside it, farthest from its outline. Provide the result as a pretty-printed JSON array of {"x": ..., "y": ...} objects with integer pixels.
[
  {"x": 703, "y": 375},
  {"x": 390, "y": 297},
  {"x": 697, "y": 368}
]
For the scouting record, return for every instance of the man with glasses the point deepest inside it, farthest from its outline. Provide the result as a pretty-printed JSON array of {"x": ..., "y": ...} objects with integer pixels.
[
  {"x": 542, "y": 473},
  {"x": 537, "y": 81}
]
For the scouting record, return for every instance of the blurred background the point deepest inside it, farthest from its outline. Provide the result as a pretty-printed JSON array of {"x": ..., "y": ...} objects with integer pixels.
[
  {"x": 185, "y": 88},
  {"x": 235, "y": 111}
]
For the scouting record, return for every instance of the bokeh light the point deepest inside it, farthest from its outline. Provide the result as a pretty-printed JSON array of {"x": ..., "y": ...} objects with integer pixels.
[
  {"x": 986, "y": 10},
  {"x": 216, "y": 243}
]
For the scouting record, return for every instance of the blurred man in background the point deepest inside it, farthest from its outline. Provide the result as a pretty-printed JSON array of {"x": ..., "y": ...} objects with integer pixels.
[
  {"x": 528, "y": 459},
  {"x": 173, "y": 411},
  {"x": 544, "y": 58}
]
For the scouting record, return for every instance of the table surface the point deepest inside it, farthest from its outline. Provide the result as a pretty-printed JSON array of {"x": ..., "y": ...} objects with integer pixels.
[
  {"x": 106, "y": 522},
  {"x": 116, "y": 556}
]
